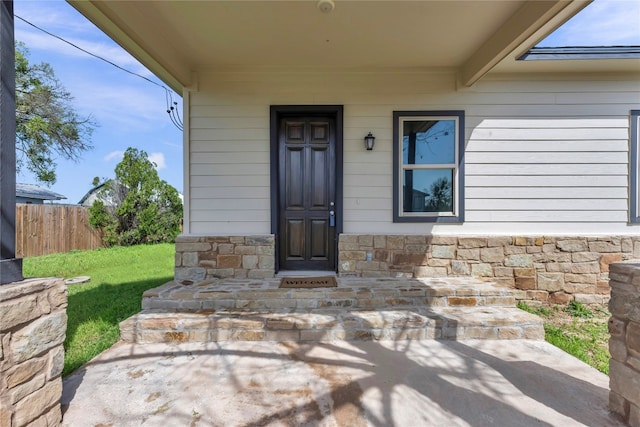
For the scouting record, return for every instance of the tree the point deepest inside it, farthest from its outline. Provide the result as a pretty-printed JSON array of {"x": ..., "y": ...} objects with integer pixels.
[
  {"x": 439, "y": 198},
  {"x": 137, "y": 207},
  {"x": 47, "y": 126}
]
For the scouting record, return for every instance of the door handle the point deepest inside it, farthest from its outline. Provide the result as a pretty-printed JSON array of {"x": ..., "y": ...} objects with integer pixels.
[{"x": 332, "y": 218}]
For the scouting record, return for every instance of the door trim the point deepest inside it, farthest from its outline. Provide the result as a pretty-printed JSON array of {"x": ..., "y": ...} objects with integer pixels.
[{"x": 276, "y": 113}]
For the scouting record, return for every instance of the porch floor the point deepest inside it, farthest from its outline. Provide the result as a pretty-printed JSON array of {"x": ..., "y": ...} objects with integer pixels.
[
  {"x": 357, "y": 309},
  {"x": 383, "y": 383}
]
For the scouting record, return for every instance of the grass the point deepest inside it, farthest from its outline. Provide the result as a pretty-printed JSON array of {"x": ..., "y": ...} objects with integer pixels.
[
  {"x": 119, "y": 276},
  {"x": 577, "y": 329}
]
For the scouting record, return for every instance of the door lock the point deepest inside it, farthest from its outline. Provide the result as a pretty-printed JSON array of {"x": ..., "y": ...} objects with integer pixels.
[{"x": 332, "y": 218}]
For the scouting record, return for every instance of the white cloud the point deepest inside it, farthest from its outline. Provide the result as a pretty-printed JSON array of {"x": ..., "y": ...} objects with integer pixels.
[
  {"x": 158, "y": 159},
  {"x": 117, "y": 155},
  {"x": 602, "y": 23}
]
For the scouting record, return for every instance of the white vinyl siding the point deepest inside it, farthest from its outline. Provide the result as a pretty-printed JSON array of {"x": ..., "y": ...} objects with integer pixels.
[
  {"x": 590, "y": 149},
  {"x": 542, "y": 156}
]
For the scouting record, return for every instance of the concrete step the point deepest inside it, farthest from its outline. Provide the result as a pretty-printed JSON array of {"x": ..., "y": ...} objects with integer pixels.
[
  {"x": 331, "y": 324},
  {"x": 352, "y": 293}
]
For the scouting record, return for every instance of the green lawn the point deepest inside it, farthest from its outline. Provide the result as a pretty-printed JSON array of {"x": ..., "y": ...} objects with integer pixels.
[
  {"x": 119, "y": 276},
  {"x": 577, "y": 329}
]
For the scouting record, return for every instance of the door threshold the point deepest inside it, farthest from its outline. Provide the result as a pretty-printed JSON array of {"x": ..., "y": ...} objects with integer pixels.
[{"x": 305, "y": 273}]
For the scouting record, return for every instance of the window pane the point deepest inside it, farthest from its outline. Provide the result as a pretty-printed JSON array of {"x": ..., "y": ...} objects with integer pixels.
[
  {"x": 428, "y": 142},
  {"x": 428, "y": 190}
]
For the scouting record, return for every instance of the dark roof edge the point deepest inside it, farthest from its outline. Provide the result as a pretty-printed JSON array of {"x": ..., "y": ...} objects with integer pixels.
[
  {"x": 93, "y": 190},
  {"x": 581, "y": 52},
  {"x": 32, "y": 191}
]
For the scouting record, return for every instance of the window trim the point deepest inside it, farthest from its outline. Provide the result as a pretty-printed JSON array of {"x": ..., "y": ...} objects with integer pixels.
[
  {"x": 458, "y": 189},
  {"x": 634, "y": 167}
]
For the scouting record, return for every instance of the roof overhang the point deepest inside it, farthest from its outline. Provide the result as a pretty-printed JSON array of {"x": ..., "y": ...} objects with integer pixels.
[{"x": 176, "y": 39}]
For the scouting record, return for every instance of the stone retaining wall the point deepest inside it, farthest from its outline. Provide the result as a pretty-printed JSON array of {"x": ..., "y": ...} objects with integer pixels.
[
  {"x": 207, "y": 257},
  {"x": 540, "y": 268},
  {"x": 624, "y": 344},
  {"x": 33, "y": 328}
]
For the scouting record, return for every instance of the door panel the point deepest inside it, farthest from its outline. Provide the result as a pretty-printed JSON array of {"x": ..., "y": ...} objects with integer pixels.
[
  {"x": 295, "y": 239},
  {"x": 307, "y": 191},
  {"x": 319, "y": 193},
  {"x": 295, "y": 185},
  {"x": 319, "y": 243}
]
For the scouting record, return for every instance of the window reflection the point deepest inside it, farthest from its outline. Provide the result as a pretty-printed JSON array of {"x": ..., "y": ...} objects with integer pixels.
[
  {"x": 428, "y": 190},
  {"x": 428, "y": 142}
]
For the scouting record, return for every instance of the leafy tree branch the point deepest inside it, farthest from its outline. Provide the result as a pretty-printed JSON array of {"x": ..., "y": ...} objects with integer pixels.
[{"x": 47, "y": 126}]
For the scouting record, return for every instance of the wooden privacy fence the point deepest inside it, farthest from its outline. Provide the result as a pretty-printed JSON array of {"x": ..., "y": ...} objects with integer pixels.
[{"x": 48, "y": 229}]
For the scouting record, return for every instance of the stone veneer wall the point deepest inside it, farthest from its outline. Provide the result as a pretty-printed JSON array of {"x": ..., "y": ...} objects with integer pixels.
[
  {"x": 540, "y": 268},
  {"x": 205, "y": 257},
  {"x": 33, "y": 328},
  {"x": 624, "y": 344}
]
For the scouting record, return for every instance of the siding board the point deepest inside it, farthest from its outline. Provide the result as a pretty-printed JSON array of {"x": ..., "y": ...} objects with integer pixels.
[
  {"x": 549, "y": 146},
  {"x": 238, "y": 215},
  {"x": 228, "y": 192},
  {"x": 546, "y": 204},
  {"x": 230, "y": 228},
  {"x": 238, "y": 157},
  {"x": 228, "y": 146},
  {"x": 554, "y": 123},
  {"x": 547, "y": 216},
  {"x": 545, "y": 192},
  {"x": 537, "y": 134},
  {"x": 546, "y": 181},
  {"x": 524, "y": 157},
  {"x": 569, "y": 169},
  {"x": 241, "y": 169}
]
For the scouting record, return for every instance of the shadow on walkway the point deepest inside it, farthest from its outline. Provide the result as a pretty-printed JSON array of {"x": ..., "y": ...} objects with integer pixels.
[{"x": 404, "y": 383}]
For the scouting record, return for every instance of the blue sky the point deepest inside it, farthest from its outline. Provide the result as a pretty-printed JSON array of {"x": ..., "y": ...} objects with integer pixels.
[
  {"x": 602, "y": 23},
  {"x": 131, "y": 112}
]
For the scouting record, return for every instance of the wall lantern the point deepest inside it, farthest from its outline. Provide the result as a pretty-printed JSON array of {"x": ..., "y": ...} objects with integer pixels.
[{"x": 369, "y": 140}]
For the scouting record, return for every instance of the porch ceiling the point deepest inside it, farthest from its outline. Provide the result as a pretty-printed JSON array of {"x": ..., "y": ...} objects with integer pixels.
[{"x": 176, "y": 38}]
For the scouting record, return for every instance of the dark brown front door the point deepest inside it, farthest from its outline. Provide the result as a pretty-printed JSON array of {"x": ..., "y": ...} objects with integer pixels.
[{"x": 307, "y": 192}]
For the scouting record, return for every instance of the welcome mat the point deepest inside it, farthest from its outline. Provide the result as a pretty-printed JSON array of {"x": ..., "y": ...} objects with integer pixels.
[{"x": 309, "y": 282}]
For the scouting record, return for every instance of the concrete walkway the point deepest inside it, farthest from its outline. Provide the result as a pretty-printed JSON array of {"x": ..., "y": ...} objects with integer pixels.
[{"x": 408, "y": 383}]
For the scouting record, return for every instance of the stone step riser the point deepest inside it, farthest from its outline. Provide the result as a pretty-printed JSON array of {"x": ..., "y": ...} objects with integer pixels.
[
  {"x": 276, "y": 302},
  {"x": 426, "y": 333},
  {"x": 351, "y": 326},
  {"x": 350, "y": 294}
]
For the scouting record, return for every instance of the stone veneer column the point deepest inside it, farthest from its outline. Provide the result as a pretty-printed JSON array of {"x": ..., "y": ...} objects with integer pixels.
[
  {"x": 32, "y": 330},
  {"x": 624, "y": 344}
]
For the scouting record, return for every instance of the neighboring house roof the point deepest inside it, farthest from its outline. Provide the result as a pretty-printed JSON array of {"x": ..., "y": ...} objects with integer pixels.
[
  {"x": 87, "y": 199},
  {"x": 469, "y": 37},
  {"x": 32, "y": 191}
]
